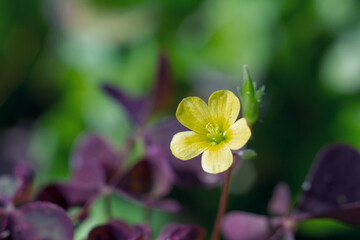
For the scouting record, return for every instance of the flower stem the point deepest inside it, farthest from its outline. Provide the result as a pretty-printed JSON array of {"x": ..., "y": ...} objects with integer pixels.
[{"x": 222, "y": 206}]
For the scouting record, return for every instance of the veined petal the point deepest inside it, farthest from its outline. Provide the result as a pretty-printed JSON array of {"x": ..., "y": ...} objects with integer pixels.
[
  {"x": 188, "y": 144},
  {"x": 238, "y": 134},
  {"x": 224, "y": 108},
  {"x": 218, "y": 158},
  {"x": 194, "y": 114}
]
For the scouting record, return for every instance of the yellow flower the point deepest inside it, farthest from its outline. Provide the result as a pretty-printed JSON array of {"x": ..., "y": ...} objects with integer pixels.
[{"x": 214, "y": 130}]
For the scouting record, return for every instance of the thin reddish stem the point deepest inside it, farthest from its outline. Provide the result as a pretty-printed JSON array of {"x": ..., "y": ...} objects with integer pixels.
[{"x": 222, "y": 206}]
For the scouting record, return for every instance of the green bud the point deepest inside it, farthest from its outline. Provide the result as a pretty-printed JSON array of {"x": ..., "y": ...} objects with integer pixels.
[
  {"x": 250, "y": 98},
  {"x": 248, "y": 154}
]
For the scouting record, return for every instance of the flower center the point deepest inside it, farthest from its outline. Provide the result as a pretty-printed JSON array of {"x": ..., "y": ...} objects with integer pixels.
[{"x": 215, "y": 134}]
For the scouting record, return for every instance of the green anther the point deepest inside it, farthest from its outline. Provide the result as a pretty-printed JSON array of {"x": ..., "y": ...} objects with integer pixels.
[{"x": 215, "y": 134}]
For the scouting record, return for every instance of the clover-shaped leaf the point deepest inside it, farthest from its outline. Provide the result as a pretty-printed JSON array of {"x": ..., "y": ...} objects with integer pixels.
[
  {"x": 332, "y": 188},
  {"x": 38, "y": 220}
]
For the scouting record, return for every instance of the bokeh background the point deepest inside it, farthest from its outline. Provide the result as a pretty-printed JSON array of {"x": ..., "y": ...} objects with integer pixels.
[{"x": 55, "y": 54}]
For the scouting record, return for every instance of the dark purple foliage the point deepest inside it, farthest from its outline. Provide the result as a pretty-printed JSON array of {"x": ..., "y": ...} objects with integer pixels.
[
  {"x": 32, "y": 221},
  {"x": 330, "y": 191},
  {"x": 119, "y": 230},
  {"x": 148, "y": 182},
  {"x": 162, "y": 93},
  {"x": 247, "y": 226},
  {"x": 67, "y": 195},
  {"x": 38, "y": 220},
  {"x": 279, "y": 204},
  {"x": 333, "y": 185},
  {"x": 98, "y": 170},
  {"x": 137, "y": 109},
  {"x": 142, "y": 181},
  {"x": 169, "y": 205},
  {"x": 17, "y": 188},
  {"x": 175, "y": 231},
  {"x": 94, "y": 161}
]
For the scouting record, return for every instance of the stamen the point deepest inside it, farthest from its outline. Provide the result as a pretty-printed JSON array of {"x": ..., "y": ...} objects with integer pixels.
[{"x": 214, "y": 134}]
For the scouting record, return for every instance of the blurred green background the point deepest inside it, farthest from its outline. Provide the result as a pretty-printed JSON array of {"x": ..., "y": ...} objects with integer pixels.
[{"x": 55, "y": 54}]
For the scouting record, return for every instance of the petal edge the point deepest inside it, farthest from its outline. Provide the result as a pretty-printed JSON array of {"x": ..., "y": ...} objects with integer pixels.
[{"x": 238, "y": 134}]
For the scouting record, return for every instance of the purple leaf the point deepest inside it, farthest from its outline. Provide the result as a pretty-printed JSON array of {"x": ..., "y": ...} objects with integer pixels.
[
  {"x": 332, "y": 185},
  {"x": 89, "y": 175},
  {"x": 40, "y": 220},
  {"x": 17, "y": 189},
  {"x": 168, "y": 205},
  {"x": 144, "y": 230},
  {"x": 137, "y": 109},
  {"x": 25, "y": 174},
  {"x": 348, "y": 213},
  {"x": 67, "y": 195},
  {"x": 106, "y": 232},
  {"x": 247, "y": 226},
  {"x": 175, "y": 231},
  {"x": 279, "y": 204},
  {"x": 119, "y": 230},
  {"x": 288, "y": 235},
  {"x": 94, "y": 161},
  {"x": 145, "y": 180},
  {"x": 162, "y": 91}
]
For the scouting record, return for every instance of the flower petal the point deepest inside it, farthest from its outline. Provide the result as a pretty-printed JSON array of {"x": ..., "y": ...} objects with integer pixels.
[
  {"x": 224, "y": 108},
  {"x": 194, "y": 114},
  {"x": 188, "y": 144},
  {"x": 218, "y": 158},
  {"x": 238, "y": 134},
  {"x": 185, "y": 173}
]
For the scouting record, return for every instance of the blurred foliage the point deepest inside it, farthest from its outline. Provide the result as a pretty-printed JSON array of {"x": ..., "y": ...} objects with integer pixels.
[{"x": 54, "y": 55}]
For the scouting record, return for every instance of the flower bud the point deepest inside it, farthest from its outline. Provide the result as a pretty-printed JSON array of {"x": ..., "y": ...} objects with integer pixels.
[{"x": 250, "y": 98}]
